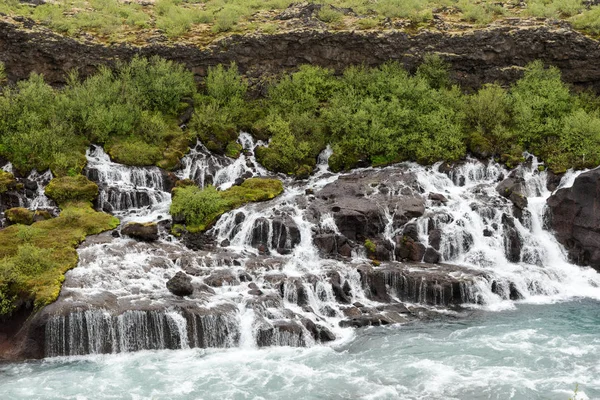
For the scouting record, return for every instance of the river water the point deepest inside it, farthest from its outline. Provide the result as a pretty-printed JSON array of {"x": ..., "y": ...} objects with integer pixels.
[
  {"x": 528, "y": 328},
  {"x": 534, "y": 351}
]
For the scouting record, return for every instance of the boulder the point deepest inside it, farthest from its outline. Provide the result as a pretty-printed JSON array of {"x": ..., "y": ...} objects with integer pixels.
[
  {"x": 438, "y": 198},
  {"x": 435, "y": 238},
  {"x": 513, "y": 188},
  {"x": 512, "y": 239},
  {"x": 147, "y": 232},
  {"x": 180, "y": 284},
  {"x": 431, "y": 256},
  {"x": 409, "y": 249},
  {"x": 574, "y": 216}
]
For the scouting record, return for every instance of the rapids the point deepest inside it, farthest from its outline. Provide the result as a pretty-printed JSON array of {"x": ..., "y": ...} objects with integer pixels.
[{"x": 503, "y": 315}]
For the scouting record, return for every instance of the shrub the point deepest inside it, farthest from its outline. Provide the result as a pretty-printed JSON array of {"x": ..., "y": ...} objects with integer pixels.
[
  {"x": 223, "y": 112},
  {"x": 589, "y": 20},
  {"x": 488, "y": 114},
  {"x": 368, "y": 23},
  {"x": 540, "y": 101},
  {"x": 435, "y": 71},
  {"x": 19, "y": 215},
  {"x": 579, "y": 143},
  {"x": 199, "y": 208},
  {"x": 329, "y": 14},
  {"x": 71, "y": 189},
  {"x": 44, "y": 128},
  {"x": 225, "y": 84}
]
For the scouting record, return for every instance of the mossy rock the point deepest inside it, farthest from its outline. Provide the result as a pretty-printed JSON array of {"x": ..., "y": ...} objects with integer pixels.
[
  {"x": 7, "y": 181},
  {"x": 134, "y": 151},
  {"x": 233, "y": 149},
  {"x": 34, "y": 259},
  {"x": 24, "y": 216},
  {"x": 19, "y": 215},
  {"x": 72, "y": 188},
  {"x": 304, "y": 171},
  {"x": 177, "y": 146},
  {"x": 370, "y": 246},
  {"x": 200, "y": 208}
]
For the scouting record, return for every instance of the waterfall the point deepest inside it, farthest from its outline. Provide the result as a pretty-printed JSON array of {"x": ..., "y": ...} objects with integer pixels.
[{"x": 291, "y": 272}]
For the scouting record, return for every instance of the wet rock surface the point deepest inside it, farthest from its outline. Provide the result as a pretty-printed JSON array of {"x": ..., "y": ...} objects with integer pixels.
[
  {"x": 574, "y": 216},
  {"x": 141, "y": 231},
  {"x": 180, "y": 284},
  {"x": 366, "y": 248}
]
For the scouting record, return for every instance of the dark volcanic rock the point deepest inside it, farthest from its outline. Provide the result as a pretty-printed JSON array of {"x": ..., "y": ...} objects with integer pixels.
[
  {"x": 435, "y": 238},
  {"x": 495, "y": 54},
  {"x": 513, "y": 188},
  {"x": 431, "y": 256},
  {"x": 358, "y": 202},
  {"x": 512, "y": 239},
  {"x": 180, "y": 284},
  {"x": 574, "y": 215},
  {"x": 147, "y": 231},
  {"x": 221, "y": 278},
  {"x": 286, "y": 234}
]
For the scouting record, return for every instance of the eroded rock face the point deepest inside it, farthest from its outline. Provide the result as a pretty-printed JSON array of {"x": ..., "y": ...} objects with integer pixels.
[
  {"x": 574, "y": 216},
  {"x": 361, "y": 205},
  {"x": 480, "y": 56}
]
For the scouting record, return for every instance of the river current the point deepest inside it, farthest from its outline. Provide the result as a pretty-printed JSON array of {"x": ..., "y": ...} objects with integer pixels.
[
  {"x": 528, "y": 328},
  {"x": 534, "y": 351}
]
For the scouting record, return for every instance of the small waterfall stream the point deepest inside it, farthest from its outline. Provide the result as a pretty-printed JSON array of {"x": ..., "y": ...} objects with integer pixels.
[{"x": 293, "y": 271}]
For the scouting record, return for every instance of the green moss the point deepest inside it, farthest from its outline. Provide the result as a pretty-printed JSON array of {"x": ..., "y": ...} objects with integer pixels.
[
  {"x": 134, "y": 151},
  {"x": 370, "y": 246},
  {"x": 200, "y": 208},
  {"x": 7, "y": 181},
  {"x": 19, "y": 215},
  {"x": 34, "y": 259},
  {"x": 185, "y": 182},
  {"x": 233, "y": 150},
  {"x": 71, "y": 188}
]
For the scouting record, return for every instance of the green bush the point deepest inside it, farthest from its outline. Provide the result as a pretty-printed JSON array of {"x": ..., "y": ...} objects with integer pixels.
[
  {"x": 435, "y": 71},
  {"x": 196, "y": 206},
  {"x": 199, "y": 208},
  {"x": 540, "y": 101},
  {"x": 7, "y": 181},
  {"x": 223, "y": 111},
  {"x": 329, "y": 15},
  {"x": 488, "y": 114},
  {"x": 137, "y": 103},
  {"x": 589, "y": 20}
]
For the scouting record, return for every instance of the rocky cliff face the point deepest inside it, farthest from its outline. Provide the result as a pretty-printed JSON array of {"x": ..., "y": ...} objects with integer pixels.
[
  {"x": 575, "y": 218},
  {"x": 493, "y": 54}
]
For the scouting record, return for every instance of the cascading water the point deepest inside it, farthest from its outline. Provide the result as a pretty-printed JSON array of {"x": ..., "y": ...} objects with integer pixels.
[
  {"x": 332, "y": 253},
  {"x": 29, "y": 192},
  {"x": 294, "y": 271}
]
